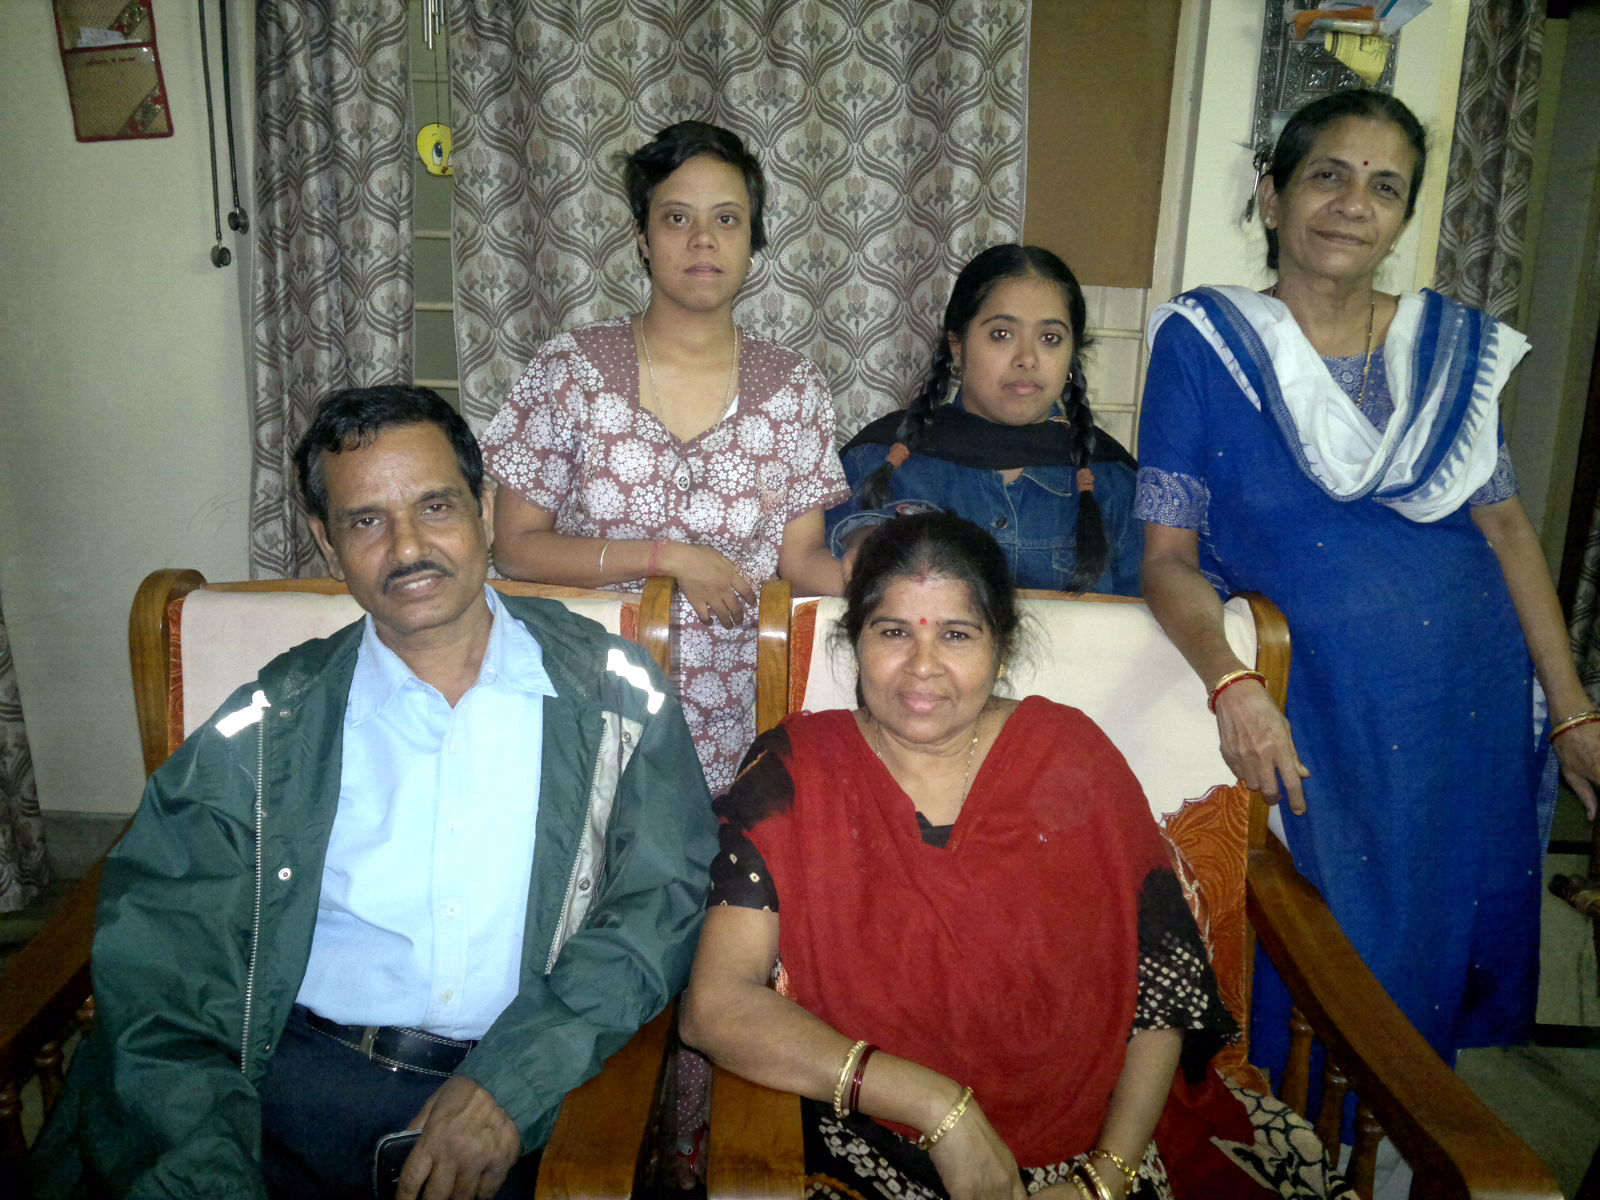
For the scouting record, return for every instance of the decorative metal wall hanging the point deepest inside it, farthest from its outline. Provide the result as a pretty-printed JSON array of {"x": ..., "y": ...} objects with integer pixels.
[{"x": 1293, "y": 73}]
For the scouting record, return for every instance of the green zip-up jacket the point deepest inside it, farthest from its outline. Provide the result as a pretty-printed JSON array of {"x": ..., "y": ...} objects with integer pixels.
[{"x": 208, "y": 906}]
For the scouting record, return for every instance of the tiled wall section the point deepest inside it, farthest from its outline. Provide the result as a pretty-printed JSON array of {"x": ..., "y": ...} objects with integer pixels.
[{"x": 1116, "y": 362}]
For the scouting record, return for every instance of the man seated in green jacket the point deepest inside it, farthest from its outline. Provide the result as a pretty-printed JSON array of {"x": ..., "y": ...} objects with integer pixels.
[{"x": 425, "y": 874}]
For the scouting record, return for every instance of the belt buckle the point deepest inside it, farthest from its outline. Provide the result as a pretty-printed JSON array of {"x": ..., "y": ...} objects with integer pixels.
[{"x": 368, "y": 1036}]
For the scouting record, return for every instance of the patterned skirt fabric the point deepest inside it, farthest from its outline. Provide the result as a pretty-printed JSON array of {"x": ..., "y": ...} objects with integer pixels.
[{"x": 857, "y": 1159}]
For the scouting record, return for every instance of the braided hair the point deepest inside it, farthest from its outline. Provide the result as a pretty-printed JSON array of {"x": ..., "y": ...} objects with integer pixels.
[{"x": 977, "y": 280}]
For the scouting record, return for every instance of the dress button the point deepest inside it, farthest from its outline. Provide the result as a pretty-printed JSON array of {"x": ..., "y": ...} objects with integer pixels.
[
  {"x": 1001, "y": 522},
  {"x": 682, "y": 480}
]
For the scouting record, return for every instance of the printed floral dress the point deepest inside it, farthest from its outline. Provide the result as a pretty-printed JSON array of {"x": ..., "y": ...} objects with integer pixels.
[{"x": 574, "y": 440}]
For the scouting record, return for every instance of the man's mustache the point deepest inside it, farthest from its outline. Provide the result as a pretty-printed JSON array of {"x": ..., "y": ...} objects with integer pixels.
[{"x": 400, "y": 574}]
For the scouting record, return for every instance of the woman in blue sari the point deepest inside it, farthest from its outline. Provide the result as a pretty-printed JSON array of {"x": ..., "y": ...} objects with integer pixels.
[{"x": 1338, "y": 449}]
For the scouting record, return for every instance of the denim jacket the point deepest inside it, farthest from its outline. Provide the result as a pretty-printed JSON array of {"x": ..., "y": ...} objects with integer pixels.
[{"x": 1034, "y": 519}]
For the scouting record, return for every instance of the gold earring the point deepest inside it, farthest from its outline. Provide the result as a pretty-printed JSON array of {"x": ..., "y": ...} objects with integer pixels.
[{"x": 1001, "y": 674}]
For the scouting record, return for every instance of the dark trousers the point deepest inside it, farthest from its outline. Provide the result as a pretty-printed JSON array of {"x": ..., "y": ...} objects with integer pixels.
[{"x": 323, "y": 1108}]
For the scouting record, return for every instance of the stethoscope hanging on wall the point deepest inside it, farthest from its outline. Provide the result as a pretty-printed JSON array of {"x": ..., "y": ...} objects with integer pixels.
[{"x": 238, "y": 220}]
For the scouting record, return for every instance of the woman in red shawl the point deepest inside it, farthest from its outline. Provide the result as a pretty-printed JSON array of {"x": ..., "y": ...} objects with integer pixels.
[{"x": 989, "y": 974}]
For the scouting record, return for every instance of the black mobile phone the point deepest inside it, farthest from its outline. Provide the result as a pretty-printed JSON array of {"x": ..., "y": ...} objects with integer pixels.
[{"x": 387, "y": 1160}]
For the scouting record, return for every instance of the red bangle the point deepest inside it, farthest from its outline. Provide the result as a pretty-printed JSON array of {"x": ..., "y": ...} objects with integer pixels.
[
  {"x": 654, "y": 565},
  {"x": 1571, "y": 723},
  {"x": 861, "y": 1070},
  {"x": 1228, "y": 680}
]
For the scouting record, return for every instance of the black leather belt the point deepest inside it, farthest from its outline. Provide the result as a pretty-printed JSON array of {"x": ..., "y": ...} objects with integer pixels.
[{"x": 391, "y": 1046}]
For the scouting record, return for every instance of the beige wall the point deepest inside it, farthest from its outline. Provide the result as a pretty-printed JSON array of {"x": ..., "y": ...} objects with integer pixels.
[{"x": 123, "y": 440}]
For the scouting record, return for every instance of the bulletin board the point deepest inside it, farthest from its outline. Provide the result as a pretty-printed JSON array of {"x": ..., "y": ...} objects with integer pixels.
[{"x": 1099, "y": 96}]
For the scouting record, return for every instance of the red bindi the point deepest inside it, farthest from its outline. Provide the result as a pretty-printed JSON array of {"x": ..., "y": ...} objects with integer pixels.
[
  {"x": 1364, "y": 162},
  {"x": 922, "y": 620}
]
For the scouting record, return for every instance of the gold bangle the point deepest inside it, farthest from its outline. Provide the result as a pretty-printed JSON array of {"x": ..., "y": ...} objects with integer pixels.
[
  {"x": 1083, "y": 1188},
  {"x": 600, "y": 571},
  {"x": 1228, "y": 680},
  {"x": 845, "y": 1069},
  {"x": 1129, "y": 1173},
  {"x": 1572, "y": 722},
  {"x": 929, "y": 1140},
  {"x": 1101, "y": 1191}
]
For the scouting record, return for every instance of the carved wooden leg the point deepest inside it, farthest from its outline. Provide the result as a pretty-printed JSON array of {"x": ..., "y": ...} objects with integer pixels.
[
  {"x": 1364, "y": 1157},
  {"x": 48, "y": 1061},
  {"x": 12, "y": 1146},
  {"x": 1297, "y": 1075},
  {"x": 1330, "y": 1117}
]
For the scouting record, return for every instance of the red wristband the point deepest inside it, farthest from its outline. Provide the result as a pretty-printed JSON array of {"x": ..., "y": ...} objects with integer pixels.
[{"x": 861, "y": 1070}]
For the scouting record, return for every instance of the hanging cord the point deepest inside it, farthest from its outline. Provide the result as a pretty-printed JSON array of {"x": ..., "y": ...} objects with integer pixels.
[
  {"x": 221, "y": 256},
  {"x": 238, "y": 220}
]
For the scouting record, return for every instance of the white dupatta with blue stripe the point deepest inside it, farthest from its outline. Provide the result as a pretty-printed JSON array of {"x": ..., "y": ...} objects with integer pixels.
[{"x": 1447, "y": 364}]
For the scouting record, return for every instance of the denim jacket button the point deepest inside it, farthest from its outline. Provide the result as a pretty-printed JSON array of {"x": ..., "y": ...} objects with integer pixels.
[{"x": 1001, "y": 522}]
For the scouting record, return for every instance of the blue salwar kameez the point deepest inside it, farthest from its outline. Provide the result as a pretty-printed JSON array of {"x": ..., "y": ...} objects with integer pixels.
[{"x": 1412, "y": 696}]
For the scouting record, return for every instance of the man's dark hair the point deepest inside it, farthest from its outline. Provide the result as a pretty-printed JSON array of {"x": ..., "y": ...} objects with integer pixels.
[
  {"x": 353, "y": 417},
  {"x": 677, "y": 144}
]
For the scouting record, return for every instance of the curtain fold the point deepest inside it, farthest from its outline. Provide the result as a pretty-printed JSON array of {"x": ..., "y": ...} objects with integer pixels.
[
  {"x": 892, "y": 135},
  {"x": 1480, "y": 258},
  {"x": 332, "y": 288},
  {"x": 23, "y": 870},
  {"x": 1585, "y": 625}
]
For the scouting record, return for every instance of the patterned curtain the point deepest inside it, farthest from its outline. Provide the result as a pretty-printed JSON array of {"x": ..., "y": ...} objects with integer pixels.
[
  {"x": 892, "y": 134},
  {"x": 23, "y": 870},
  {"x": 333, "y": 294},
  {"x": 1491, "y": 160},
  {"x": 1585, "y": 625}
]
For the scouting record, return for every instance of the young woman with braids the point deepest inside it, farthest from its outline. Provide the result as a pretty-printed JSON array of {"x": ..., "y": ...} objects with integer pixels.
[{"x": 1016, "y": 450}]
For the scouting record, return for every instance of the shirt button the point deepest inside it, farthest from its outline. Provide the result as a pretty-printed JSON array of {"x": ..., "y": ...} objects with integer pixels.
[
  {"x": 285, "y": 874},
  {"x": 681, "y": 479},
  {"x": 1001, "y": 522},
  {"x": 449, "y": 910},
  {"x": 446, "y": 996}
]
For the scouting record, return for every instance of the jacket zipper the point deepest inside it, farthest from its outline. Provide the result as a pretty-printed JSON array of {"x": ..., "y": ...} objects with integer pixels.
[
  {"x": 255, "y": 920},
  {"x": 556, "y": 939}
]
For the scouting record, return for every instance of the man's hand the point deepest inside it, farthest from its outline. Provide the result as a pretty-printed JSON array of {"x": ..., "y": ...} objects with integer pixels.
[{"x": 467, "y": 1145}]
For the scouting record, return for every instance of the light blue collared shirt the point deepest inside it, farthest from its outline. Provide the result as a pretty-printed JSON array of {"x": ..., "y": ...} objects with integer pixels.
[{"x": 425, "y": 887}]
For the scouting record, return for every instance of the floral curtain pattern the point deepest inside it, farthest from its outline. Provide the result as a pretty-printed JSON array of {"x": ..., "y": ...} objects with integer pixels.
[
  {"x": 1491, "y": 158},
  {"x": 332, "y": 287},
  {"x": 23, "y": 870},
  {"x": 892, "y": 135}
]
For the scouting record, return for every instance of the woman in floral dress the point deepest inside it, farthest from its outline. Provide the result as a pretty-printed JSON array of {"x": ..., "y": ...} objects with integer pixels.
[{"x": 674, "y": 443}]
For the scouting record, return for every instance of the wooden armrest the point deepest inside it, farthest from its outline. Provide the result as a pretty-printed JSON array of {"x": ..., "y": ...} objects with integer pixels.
[
  {"x": 47, "y": 981},
  {"x": 1455, "y": 1145},
  {"x": 756, "y": 1151},
  {"x": 587, "y": 1157}
]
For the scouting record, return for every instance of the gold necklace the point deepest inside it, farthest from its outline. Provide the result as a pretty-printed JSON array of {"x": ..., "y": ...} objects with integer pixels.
[
  {"x": 655, "y": 392},
  {"x": 972, "y": 746},
  {"x": 1366, "y": 363}
]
